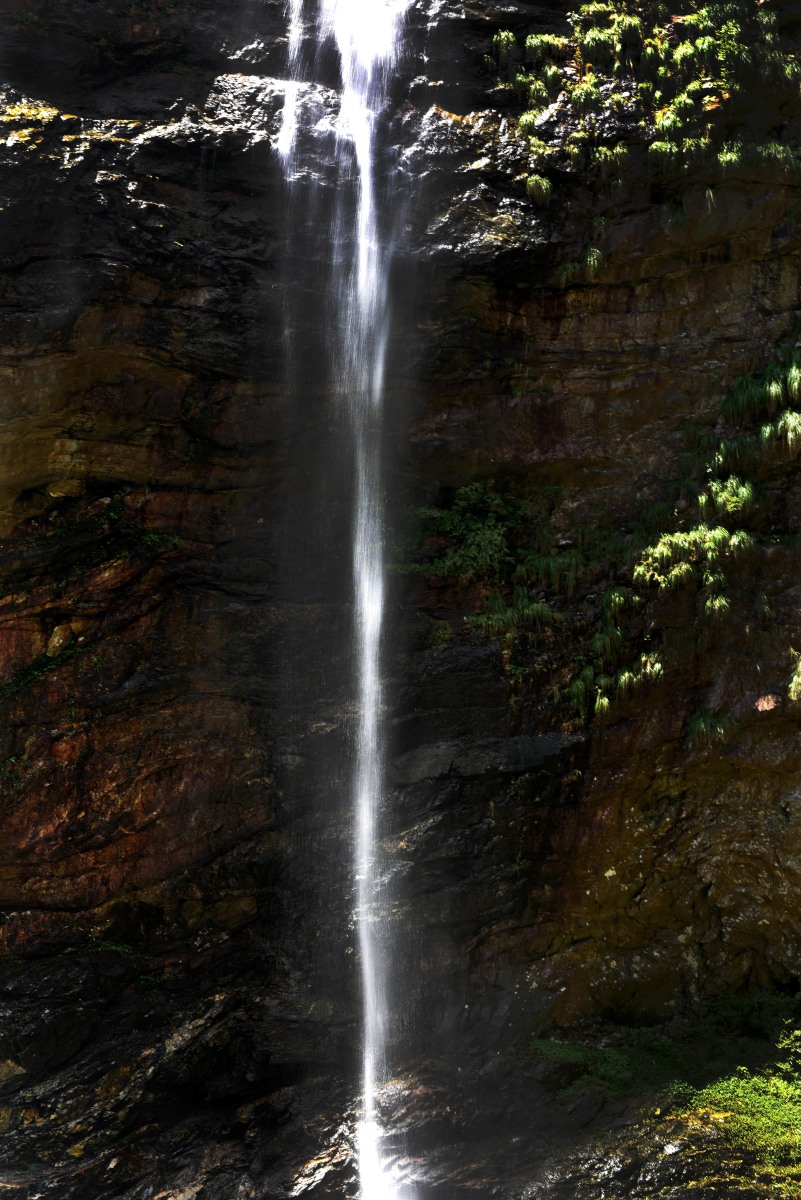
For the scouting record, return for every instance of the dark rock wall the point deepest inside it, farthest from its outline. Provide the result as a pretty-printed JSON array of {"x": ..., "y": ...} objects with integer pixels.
[
  {"x": 179, "y": 1012},
  {"x": 587, "y": 392}
]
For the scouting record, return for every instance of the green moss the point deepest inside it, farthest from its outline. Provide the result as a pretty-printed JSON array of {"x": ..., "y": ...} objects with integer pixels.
[
  {"x": 738, "y": 1067},
  {"x": 163, "y": 541},
  {"x": 441, "y": 634},
  {"x": 762, "y": 1114},
  {"x": 561, "y": 1052},
  {"x": 637, "y": 1061},
  {"x": 42, "y": 665}
]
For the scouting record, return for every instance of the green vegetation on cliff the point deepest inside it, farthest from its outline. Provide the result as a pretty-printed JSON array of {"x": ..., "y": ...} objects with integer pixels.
[
  {"x": 602, "y": 582},
  {"x": 675, "y": 82},
  {"x": 735, "y": 1073}
]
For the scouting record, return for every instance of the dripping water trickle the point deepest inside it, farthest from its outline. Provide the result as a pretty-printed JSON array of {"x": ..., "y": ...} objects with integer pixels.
[{"x": 367, "y": 36}]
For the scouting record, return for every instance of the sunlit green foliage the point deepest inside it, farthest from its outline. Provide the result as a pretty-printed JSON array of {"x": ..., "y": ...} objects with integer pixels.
[
  {"x": 716, "y": 607},
  {"x": 755, "y": 1110},
  {"x": 587, "y": 268},
  {"x": 504, "y": 44},
  {"x": 597, "y": 46},
  {"x": 586, "y": 96},
  {"x": 533, "y": 92},
  {"x": 762, "y": 394},
  {"x": 526, "y": 122},
  {"x": 611, "y": 160},
  {"x": 689, "y": 554},
  {"x": 702, "y": 553},
  {"x": 761, "y": 1114},
  {"x": 594, "y": 261},
  {"x": 540, "y": 151},
  {"x": 786, "y": 429},
  {"x": 794, "y": 686},
  {"x": 539, "y": 188},
  {"x": 581, "y": 690},
  {"x": 760, "y": 1111},
  {"x": 542, "y": 47},
  {"x": 728, "y": 497},
  {"x": 691, "y": 64}
]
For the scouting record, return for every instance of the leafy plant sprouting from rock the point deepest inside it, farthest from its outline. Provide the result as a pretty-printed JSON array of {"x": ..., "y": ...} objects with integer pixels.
[
  {"x": 794, "y": 686},
  {"x": 534, "y": 580},
  {"x": 709, "y": 729},
  {"x": 480, "y": 537},
  {"x": 471, "y": 539},
  {"x": 680, "y": 79},
  {"x": 756, "y": 415},
  {"x": 531, "y": 579},
  {"x": 539, "y": 188}
]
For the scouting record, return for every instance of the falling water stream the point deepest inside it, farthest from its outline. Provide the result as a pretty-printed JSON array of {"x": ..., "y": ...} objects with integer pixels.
[{"x": 366, "y": 34}]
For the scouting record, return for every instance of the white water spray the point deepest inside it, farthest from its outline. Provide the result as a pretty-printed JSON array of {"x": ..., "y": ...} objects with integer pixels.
[
  {"x": 367, "y": 37},
  {"x": 289, "y": 122}
]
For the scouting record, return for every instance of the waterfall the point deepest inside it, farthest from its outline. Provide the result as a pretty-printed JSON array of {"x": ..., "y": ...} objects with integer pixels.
[{"x": 366, "y": 34}]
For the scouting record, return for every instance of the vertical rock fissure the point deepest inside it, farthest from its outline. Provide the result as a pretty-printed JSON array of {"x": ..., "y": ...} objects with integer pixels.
[{"x": 366, "y": 34}]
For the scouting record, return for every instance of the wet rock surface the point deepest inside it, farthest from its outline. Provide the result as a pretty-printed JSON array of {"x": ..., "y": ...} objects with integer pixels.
[{"x": 178, "y": 987}]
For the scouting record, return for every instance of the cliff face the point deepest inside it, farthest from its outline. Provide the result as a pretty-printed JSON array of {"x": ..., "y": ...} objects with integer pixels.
[
  {"x": 569, "y": 847},
  {"x": 601, "y": 401},
  {"x": 141, "y": 436}
]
